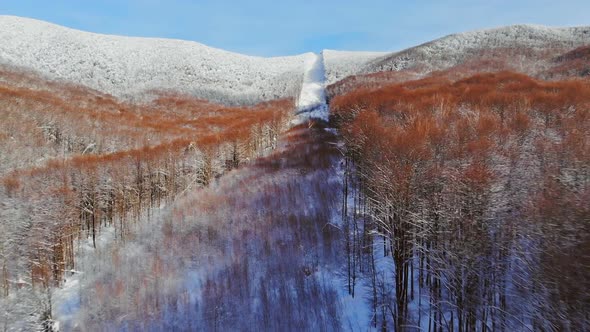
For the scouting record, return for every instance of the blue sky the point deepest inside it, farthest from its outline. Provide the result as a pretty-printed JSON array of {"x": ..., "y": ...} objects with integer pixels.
[{"x": 275, "y": 27}]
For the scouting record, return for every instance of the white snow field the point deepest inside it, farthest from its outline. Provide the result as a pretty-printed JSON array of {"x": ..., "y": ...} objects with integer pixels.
[{"x": 312, "y": 98}]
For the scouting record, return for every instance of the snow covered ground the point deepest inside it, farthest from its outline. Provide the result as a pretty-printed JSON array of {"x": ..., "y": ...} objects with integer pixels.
[{"x": 66, "y": 299}]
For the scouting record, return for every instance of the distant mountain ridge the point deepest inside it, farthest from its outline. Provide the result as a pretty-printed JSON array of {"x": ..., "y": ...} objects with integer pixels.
[
  {"x": 130, "y": 66},
  {"x": 456, "y": 48},
  {"x": 133, "y": 68},
  {"x": 538, "y": 51}
]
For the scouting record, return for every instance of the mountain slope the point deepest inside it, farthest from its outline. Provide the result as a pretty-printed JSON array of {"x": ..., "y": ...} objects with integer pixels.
[
  {"x": 340, "y": 64},
  {"x": 129, "y": 66},
  {"x": 538, "y": 51},
  {"x": 455, "y": 49}
]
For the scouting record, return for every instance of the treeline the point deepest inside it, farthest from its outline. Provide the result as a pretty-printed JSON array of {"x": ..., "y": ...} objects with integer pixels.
[
  {"x": 476, "y": 193},
  {"x": 81, "y": 161}
]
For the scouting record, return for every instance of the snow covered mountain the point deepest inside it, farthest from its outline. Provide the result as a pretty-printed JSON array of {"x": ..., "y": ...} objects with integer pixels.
[
  {"x": 537, "y": 51},
  {"x": 129, "y": 66},
  {"x": 455, "y": 49}
]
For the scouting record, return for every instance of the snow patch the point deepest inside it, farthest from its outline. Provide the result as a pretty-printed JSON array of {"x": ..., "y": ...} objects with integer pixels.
[{"x": 66, "y": 298}]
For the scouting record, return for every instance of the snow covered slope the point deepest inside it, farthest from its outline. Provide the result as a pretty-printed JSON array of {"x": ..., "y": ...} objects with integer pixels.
[
  {"x": 454, "y": 49},
  {"x": 526, "y": 41},
  {"x": 340, "y": 64},
  {"x": 128, "y": 66},
  {"x": 312, "y": 102}
]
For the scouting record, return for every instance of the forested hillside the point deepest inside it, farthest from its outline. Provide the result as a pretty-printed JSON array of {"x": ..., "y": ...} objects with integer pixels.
[
  {"x": 477, "y": 190},
  {"x": 75, "y": 162},
  {"x": 537, "y": 51}
]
